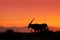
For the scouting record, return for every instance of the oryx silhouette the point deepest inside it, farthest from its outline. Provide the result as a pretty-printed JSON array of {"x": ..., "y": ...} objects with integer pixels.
[{"x": 38, "y": 27}]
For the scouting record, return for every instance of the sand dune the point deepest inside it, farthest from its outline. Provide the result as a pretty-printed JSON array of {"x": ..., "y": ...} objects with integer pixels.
[{"x": 25, "y": 29}]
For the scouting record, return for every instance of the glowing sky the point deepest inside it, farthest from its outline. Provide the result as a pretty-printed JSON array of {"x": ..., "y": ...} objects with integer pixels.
[{"x": 21, "y": 12}]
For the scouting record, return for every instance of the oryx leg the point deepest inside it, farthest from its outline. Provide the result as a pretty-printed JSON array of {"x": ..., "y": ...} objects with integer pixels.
[{"x": 34, "y": 30}]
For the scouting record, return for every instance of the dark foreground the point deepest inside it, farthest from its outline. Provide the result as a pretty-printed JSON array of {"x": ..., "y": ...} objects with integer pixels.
[{"x": 10, "y": 35}]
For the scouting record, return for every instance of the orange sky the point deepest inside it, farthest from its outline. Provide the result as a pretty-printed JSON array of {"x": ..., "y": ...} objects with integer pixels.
[{"x": 21, "y": 12}]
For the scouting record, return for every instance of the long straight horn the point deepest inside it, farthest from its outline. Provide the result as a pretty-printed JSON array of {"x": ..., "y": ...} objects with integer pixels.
[{"x": 31, "y": 21}]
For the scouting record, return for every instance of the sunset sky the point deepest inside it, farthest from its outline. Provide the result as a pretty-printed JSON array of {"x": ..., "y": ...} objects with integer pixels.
[{"x": 21, "y": 12}]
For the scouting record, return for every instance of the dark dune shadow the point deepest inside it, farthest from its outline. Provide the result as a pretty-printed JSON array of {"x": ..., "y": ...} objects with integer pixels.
[
  {"x": 49, "y": 35},
  {"x": 9, "y": 34}
]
